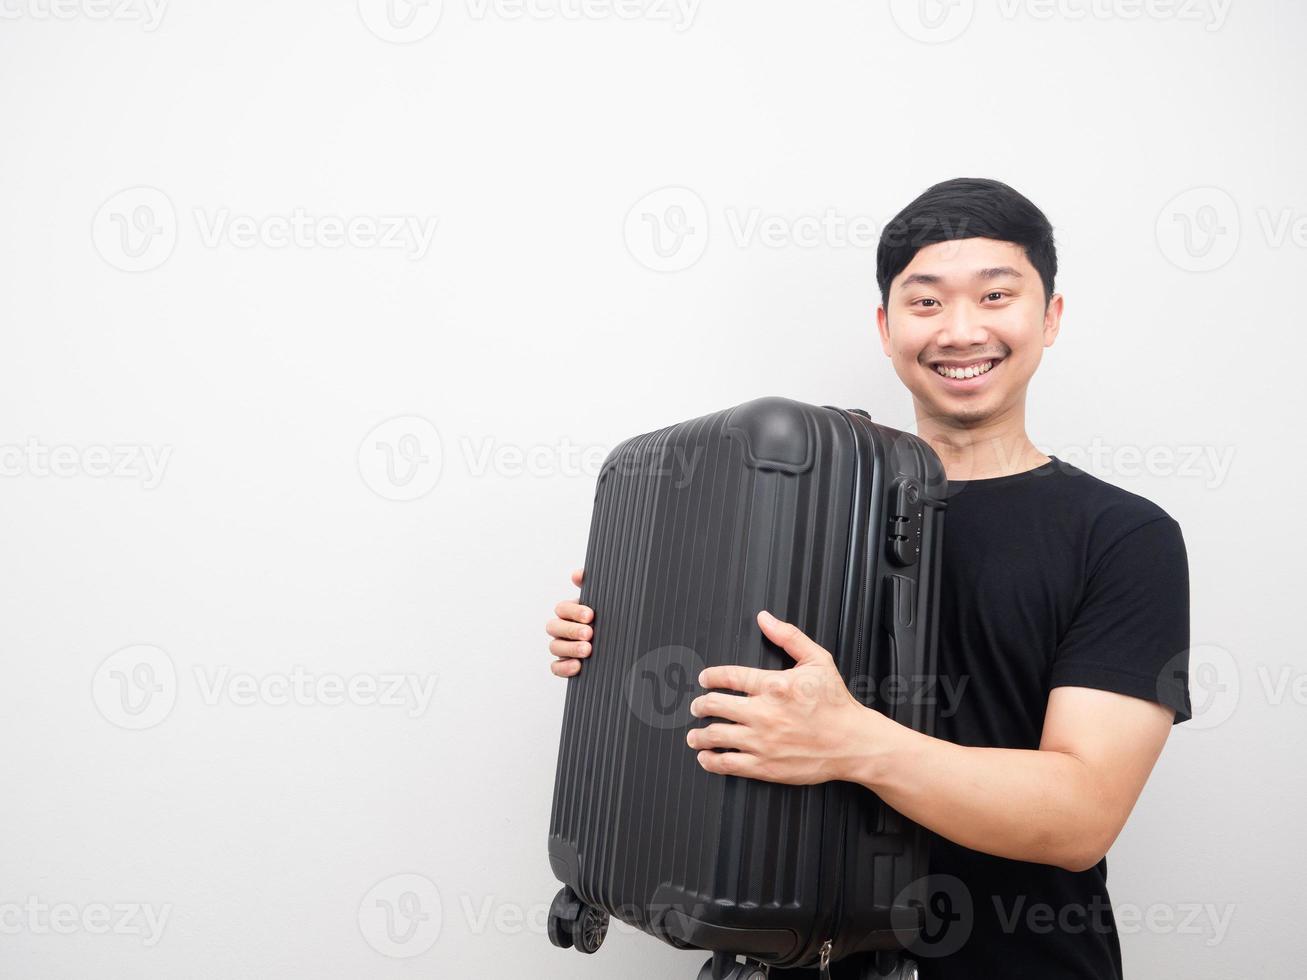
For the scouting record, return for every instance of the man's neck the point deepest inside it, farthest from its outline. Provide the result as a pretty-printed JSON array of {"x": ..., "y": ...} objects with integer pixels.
[{"x": 997, "y": 447}]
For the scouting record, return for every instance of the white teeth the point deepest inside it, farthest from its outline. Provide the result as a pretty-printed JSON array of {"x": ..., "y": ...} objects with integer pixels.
[{"x": 967, "y": 372}]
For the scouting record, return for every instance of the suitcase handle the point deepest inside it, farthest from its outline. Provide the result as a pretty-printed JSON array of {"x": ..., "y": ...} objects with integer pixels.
[{"x": 899, "y": 617}]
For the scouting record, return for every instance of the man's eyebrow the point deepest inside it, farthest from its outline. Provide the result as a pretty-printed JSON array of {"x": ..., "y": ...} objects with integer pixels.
[
  {"x": 997, "y": 272},
  {"x": 930, "y": 279}
]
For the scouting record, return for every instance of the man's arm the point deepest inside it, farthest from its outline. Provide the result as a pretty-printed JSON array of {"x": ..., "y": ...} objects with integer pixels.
[{"x": 1061, "y": 804}]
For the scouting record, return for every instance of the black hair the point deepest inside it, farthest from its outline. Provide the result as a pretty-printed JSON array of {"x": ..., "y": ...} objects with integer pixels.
[{"x": 966, "y": 207}]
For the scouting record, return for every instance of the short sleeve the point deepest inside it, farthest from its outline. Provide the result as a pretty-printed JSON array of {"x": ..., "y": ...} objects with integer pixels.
[{"x": 1130, "y": 632}]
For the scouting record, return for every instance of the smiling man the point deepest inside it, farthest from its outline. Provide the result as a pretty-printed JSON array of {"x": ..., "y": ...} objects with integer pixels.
[{"x": 1064, "y": 624}]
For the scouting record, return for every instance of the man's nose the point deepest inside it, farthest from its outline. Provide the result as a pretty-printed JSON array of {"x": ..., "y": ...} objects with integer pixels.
[{"x": 962, "y": 326}]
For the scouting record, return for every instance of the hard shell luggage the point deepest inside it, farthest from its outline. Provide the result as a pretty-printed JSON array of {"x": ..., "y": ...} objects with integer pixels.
[{"x": 831, "y": 522}]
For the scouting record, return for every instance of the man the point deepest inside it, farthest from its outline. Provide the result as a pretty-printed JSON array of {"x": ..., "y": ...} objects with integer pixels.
[{"x": 1064, "y": 624}]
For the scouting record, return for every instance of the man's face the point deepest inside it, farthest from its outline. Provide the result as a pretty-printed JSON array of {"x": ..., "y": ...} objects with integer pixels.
[{"x": 966, "y": 325}]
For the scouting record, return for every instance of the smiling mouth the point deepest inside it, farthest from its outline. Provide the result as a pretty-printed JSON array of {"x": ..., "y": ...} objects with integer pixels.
[{"x": 963, "y": 371}]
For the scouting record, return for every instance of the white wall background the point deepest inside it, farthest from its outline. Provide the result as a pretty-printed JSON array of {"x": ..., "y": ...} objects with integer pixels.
[{"x": 151, "y": 158}]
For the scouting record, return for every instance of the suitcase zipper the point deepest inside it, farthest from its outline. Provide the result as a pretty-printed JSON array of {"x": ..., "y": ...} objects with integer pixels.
[{"x": 859, "y": 660}]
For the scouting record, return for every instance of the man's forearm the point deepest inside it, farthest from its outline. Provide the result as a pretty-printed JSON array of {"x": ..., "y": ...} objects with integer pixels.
[{"x": 1028, "y": 805}]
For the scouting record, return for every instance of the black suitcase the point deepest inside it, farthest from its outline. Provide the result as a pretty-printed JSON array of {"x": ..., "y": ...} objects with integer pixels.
[{"x": 831, "y": 522}]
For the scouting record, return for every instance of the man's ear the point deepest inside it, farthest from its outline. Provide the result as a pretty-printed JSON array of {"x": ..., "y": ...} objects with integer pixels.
[
  {"x": 882, "y": 327},
  {"x": 1052, "y": 319}
]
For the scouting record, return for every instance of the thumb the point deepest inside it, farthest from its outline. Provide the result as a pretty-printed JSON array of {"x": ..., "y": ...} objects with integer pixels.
[{"x": 790, "y": 638}]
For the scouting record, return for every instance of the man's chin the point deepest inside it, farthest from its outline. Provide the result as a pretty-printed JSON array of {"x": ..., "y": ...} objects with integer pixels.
[{"x": 960, "y": 413}]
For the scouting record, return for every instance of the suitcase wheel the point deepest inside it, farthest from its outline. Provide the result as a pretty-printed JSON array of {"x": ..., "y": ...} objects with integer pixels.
[
  {"x": 590, "y": 930},
  {"x": 574, "y": 924},
  {"x": 724, "y": 967},
  {"x": 883, "y": 967},
  {"x": 560, "y": 933}
]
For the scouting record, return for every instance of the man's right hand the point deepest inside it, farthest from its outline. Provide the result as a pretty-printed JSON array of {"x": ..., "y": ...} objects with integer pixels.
[{"x": 571, "y": 632}]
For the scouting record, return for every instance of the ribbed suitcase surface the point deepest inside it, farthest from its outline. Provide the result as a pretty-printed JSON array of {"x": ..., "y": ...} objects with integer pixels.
[{"x": 773, "y": 504}]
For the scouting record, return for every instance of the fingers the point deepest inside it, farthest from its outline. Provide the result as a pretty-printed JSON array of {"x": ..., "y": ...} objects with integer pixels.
[
  {"x": 749, "y": 680},
  {"x": 567, "y": 629},
  {"x": 571, "y": 632},
  {"x": 565, "y": 668},
  {"x": 572, "y": 649},
  {"x": 730, "y": 763},
  {"x": 729, "y": 706},
  {"x": 790, "y": 638},
  {"x": 722, "y": 735},
  {"x": 574, "y": 611}
]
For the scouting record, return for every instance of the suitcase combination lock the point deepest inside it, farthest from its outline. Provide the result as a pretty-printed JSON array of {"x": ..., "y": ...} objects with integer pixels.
[{"x": 905, "y": 510}]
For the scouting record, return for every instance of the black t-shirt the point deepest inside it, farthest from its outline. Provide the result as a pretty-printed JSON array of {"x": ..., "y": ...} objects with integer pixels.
[{"x": 1051, "y": 577}]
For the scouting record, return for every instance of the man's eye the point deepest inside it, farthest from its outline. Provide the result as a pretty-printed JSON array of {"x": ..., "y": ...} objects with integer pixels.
[
  {"x": 926, "y": 300},
  {"x": 996, "y": 295}
]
